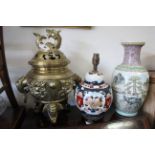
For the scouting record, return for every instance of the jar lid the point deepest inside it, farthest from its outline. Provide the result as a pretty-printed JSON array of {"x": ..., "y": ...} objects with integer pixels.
[{"x": 94, "y": 76}]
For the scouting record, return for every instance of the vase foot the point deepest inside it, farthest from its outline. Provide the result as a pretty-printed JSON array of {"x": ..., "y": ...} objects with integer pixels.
[
  {"x": 126, "y": 114},
  {"x": 88, "y": 122}
]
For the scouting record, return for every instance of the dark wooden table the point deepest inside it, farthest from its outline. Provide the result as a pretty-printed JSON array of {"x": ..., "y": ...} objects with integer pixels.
[
  {"x": 72, "y": 119},
  {"x": 12, "y": 118}
]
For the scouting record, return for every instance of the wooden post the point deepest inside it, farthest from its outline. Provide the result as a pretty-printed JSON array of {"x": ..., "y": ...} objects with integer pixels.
[{"x": 4, "y": 76}]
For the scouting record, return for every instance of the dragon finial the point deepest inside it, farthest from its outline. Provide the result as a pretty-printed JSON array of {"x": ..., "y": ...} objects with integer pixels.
[
  {"x": 45, "y": 44},
  {"x": 39, "y": 39},
  {"x": 56, "y": 36}
]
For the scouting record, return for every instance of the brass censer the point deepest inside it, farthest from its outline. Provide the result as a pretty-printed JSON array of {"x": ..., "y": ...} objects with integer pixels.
[{"x": 49, "y": 81}]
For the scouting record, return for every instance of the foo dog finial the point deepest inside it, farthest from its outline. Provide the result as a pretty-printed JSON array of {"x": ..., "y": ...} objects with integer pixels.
[{"x": 50, "y": 42}]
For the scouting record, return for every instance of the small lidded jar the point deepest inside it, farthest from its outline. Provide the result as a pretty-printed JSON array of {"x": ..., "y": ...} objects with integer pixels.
[{"x": 93, "y": 96}]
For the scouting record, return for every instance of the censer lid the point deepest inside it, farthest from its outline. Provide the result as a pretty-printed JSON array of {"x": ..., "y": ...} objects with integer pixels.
[{"x": 49, "y": 54}]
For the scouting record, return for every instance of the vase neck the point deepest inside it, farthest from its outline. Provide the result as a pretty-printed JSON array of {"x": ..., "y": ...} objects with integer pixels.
[{"x": 132, "y": 55}]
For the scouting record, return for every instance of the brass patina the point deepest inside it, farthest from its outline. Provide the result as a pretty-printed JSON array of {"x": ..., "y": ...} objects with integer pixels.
[{"x": 49, "y": 81}]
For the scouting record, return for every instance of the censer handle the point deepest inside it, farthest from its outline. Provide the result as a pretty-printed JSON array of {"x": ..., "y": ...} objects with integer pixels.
[{"x": 22, "y": 85}]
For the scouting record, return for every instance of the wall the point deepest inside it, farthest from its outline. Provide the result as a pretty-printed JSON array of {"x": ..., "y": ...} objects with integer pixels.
[{"x": 79, "y": 46}]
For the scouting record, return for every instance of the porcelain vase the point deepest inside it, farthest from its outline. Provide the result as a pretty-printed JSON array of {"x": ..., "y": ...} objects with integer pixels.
[{"x": 130, "y": 81}]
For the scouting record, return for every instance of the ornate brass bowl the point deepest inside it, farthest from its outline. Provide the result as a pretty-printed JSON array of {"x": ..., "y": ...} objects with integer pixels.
[{"x": 49, "y": 81}]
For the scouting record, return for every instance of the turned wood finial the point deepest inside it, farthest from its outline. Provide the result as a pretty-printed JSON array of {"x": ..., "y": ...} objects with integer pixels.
[{"x": 95, "y": 62}]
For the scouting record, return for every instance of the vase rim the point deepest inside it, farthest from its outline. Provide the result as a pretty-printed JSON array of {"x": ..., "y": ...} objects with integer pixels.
[{"x": 133, "y": 43}]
